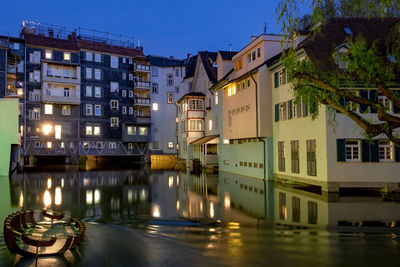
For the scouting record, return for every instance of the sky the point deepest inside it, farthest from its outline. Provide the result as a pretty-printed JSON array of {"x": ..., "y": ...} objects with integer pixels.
[{"x": 164, "y": 28}]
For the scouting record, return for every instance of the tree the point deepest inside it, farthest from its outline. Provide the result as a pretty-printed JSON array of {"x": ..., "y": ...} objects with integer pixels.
[{"x": 364, "y": 59}]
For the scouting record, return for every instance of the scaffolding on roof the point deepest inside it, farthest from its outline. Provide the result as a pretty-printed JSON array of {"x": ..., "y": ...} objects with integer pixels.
[{"x": 91, "y": 35}]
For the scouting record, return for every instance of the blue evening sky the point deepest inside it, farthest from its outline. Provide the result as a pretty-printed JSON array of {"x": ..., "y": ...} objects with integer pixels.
[{"x": 166, "y": 28}]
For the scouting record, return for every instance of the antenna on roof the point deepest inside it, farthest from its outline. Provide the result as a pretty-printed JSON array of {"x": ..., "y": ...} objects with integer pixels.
[
  {"x": 230, "y": 47},
  {"x": 265, "y": 27}
]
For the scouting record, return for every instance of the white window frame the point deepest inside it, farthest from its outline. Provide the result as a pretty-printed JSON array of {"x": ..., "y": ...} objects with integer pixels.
[
  {"x": 96, "y": 130},
  {"x": 123, "y": 110},
  {"x": 133, "y": 130},
  {"x": 386, "y": 150},
  {"x": 114, "y": 122},
  {"x": 89, "y": 91},
  {"x": 89, "y": 73},
  {"x": 114, "y": 87},
  {"x": 114, "y": 104},
  {"x": 196, "y": 125},
  {"x": 66, "y": 110},
  {"x": 48, "y": 54},
  {"x": 97, "y": 91},
  {"x": 67, "y": 56},
  {"x": 130, "y": 92},
  {"x": 114, "y": 62},
  {"x": 352, "y": 150},
  {"x": 89, "y": 130},
  {"x": 143, "y": 131},
  {"x": 130, "y": 110},
  {"x": 97, "y": 57},
  {"x": 88, "y": 109},
  {"x": 89, "y": 56},
  {"x": 123, "y": 76},
  {"x": 130, "y": 76},
  {"x": 97, "y": 110}
]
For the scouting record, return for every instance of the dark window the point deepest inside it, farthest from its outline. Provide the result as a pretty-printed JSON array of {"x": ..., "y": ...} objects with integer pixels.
[
  {"x": 312, "y": 212},
  {"x": 296, "y": 209},
  {"x": 282, "y": 206},
  {"x": 311, "y": 158},
  {"x": 281, "y": 156},
  {"x": 295, "y": 156}
]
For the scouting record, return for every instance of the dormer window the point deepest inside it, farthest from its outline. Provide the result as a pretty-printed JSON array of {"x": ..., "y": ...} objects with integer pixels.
[
  {"x": 340, "y": 56},
  {"x": 347, "y": 31}
]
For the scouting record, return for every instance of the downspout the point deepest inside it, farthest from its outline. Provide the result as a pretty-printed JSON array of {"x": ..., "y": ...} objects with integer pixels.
[
  {"x": 259, "y": 138},
  {"x": 25, "y": 92}
]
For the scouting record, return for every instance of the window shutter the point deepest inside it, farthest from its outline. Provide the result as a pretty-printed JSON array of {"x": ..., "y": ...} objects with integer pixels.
[
  {"x": 276, "y": 112},
  {"x": 373, "y": 95},
  {"x": 276, "y": 79},
  {"x": 396, "y": 153},
  {"x": 341, "y": 149},
  {"x": 365, "y": 148},
  {"x": 290, "y": 109},
  {"x": 363, "y": 94},
  {"x": 375, "y": 151}
]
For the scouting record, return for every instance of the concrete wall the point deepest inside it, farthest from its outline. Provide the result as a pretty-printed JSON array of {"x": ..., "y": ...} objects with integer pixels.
[{"x": 9, "y": 110}]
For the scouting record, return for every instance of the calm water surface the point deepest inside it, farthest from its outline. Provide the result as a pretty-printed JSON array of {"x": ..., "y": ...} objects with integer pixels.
[{"x": 163, "y": 218}]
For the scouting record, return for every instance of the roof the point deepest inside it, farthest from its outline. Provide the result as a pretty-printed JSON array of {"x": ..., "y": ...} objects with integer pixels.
[
  {"x": 208, "y": 58},
  {"x": 227, "y": 55},
  {"x": 320, "y": 48},
  {"x": 191, "y": 94},
  {"x": 107, "y": 48},
  {"x": 165, "y": 61},
  {"x": 190, "y": 66},
  {"x": 204, "y": 139}
]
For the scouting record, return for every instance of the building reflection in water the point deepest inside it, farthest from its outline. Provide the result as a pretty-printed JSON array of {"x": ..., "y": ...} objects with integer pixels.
[{"x": 168, "y": 195}]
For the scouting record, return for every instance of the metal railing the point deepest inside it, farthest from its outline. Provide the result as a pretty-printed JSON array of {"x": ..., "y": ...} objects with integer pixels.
[
  {"x": 142, "y": 84},
  {"x": 141, "y": 67}
]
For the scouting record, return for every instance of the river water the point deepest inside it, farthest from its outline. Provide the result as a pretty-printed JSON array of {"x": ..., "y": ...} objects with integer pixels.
[{"x": 164, "y": 218}]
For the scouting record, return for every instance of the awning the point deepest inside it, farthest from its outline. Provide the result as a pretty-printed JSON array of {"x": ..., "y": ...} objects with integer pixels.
[{"x": 204, "y": 139}]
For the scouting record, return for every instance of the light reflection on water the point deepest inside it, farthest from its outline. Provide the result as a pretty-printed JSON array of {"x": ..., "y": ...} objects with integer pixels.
[{"x": 237, "y": 214}]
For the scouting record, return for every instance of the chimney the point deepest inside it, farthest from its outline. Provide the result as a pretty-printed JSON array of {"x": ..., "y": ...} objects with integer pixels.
[
  {"x": 51, "y": 34},
  {"x": 253, "y": 37},
  {"x": 188, "y": 56}
]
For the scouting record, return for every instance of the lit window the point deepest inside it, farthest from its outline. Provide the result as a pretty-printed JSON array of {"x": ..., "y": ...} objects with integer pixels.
[
  {"x": 57, "y": 130},
  {"x": 195, "y": 125},
  {"x": 170, "y": 97},
  {"x": 114, "y": 121},
  {"x": 47, "y": 129},
  {"x": 49, "y": 145},
  {"x": 67, "y": 56},
  {"x": 96, "y": 130},
  {"x": 131, "y": 130},
  {"x": 196, "y": 104},
  {"x": 89, "y": 130},
  {"x": 170, "y": 145},
  {"x": 155, "y": 106},
  {"x": 216, "y": 98},
  {"x": 142, "y": 130},
  {"x": 210, "y": 125},
  {"x": 48, "y": 54},
  {"x": 48, "y": 109},
  {"x": 385, "y": 150}
]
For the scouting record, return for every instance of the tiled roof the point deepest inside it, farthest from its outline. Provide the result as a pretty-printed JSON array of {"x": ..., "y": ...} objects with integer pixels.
[
  {"x": 190, "y": 94},
  {"x": 332, "y": 34},
  {"x": 227, "y": 55},
  {"x": 207, "y": 58},
  {"x": 164, "y": 61},
  {"x": 190, "y": 66}
]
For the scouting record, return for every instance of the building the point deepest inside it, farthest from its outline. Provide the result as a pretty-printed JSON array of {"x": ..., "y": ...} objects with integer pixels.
[
  {"x": 84, "y": 94},
  {"x": 311, "y": 151}
]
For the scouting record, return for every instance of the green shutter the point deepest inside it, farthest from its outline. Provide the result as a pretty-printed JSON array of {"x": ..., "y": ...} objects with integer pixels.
[
  {"x": 276, "y": 79},
  {"x": 375, "y": 151},
  {"x": 341, "y": 149},
  {"x": 276, "y": 112},
  {"x": 365, "y": 148},
  {"x": 397, "y": 153}
]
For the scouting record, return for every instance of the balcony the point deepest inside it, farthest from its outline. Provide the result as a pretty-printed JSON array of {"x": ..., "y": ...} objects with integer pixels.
[
  {"x": 141, "y": 68},
  {"x": 13, "y": 91},
  {"x": 142, "y": 85},
  {"x": 12, "y": 69},
  {"x": 55, "y": 94},
  {"x": 142, "y": 101},
  {"x": 61, "y": 74}
]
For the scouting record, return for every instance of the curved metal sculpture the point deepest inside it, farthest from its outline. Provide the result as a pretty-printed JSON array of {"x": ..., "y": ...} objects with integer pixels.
[{"x": 36, "y": 233}]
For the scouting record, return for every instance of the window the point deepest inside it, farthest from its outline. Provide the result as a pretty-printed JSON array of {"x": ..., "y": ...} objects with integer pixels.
[
  {"x": 196, "y": 104},
  {"x": 97, "y": 74},
  {"x": 142, "y": 130},
  {"x": 130, "y": 61},
  {"x": 295, "y": 156},
  {"x": 96, "y": 130},
  {"x": 281, "y": 156},
  {"x": 131, "y": 130},
  {"x": 97, "y": 92},
  {"x": 114, "y": 121},
  {"x": 176, "y": 72},
  {"x": 97, "y": 110},
  {"x": 258, "y": 52},
  {"x": 130, "y": 93},
  {"x": 67, "y": 56},
  {"x": 238, "y": 64},
  {"x": 34, "y": 95},
  {"x": 48, "y": 109},
  {"x": 154, "y": 72},
  {"x": 36, "y": 76},
  {"x": 35, "y": 57},
  {"x": 296, "y": 209},
  {"x": 312, "y": 212},
  {"x": 89, "y": 90},
  {"x": 89, "y": 73},
  {"x": 89, "y": 130},
  {"x": 170, "y": 145},
  {"x": 170, "y": 97},
  {"x": 282, "y": 206},
  {"x": 34, "y": 114},
  {"x": 123, "y": 93},
  {"x": 66, "y": 92},
  {"x": 154, "y": 89},
  {"x": 352, "y": 148},
  {"x": 124, "y": 76},
  {"x": 253, "y": 55},
  {"x": 216, "y": 98},
  {"x": 48, "y": 54},
  {"x": 89, "y": 111},
  {"x": 130, "y": 76},
  {"x": 280, "y": 78},
  {"x": 114, "y": 104},
  {"x": 341, "y": 57},
  {"x": 66, "y": 110},
  {"x": 114, "y": 87},
  {"x": 97, "y": 57},
  {"x": 114, "y": 62},
  {"x": 124, "y": 60},
  {"x": 112, "y": 145},
  {"x": 196, "y": 125},
  {"x": 249, "y": 58},
  {"x": 385, "y": 101},
  {"x": 170, "y": 80},
  {"x": 155, "y": 106},
  {"x": 385, "y": 150},
  {"x": 130, "y": 110},
  {"x": 89, "y": 56},
  {"x": 311, "y": 158},
  {"x": 123, "y": 110},
  {"x": 155, "y": 145},
  {"x": 49, "y": 145},
  {"x": 177, "y": 89}
]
